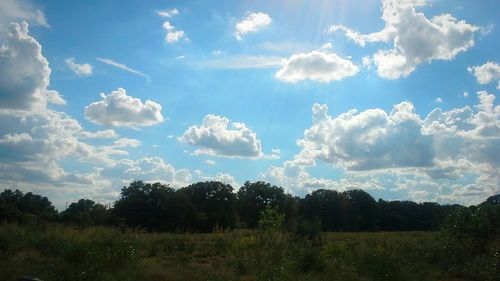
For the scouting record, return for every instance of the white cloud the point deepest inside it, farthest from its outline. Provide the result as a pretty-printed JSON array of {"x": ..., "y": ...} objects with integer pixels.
[
  {"x": 486, "y": 73},
  {"x": 371, "y": 139},
  {"x": 293, "y": 175},
  {"x": 103, "y": 134},
  {"x": 20, "y": 10},
  {"x": 35, "y": 139},
  {"x": 316, "y": 66},
  {"x": 168, "y": 13},
  {"x": 252, "y": 23},
  {"x": 445, "y": 147},
  {"x": 439, "y": 100},
  {"x": 120, "y": 110},
  {"x": 124, "y": 67},
  {"x": 210, "y": 162},
  {"x": 54, "y": 97},
  {"x": 24, "y": 72},
  {"x": 416, "y": 39},
  {"x": 448, "y": 156},
  {"x": 220, "y": 177},
  {"x": 126, "y": 142},
  {"x": 173, "y": 35},
  {"x": 150, "y": 169},
  {"x": 242, "y": 62},
  {"x": 84, "y": 69},
  {"x": 466, "y": 94},
  {"x": 216, "y": 136}
]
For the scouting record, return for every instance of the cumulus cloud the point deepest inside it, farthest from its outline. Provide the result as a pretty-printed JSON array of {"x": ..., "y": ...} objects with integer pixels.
[
  {"x": 126, "y": 142},
  {"x": 446, "y": 156},
  {"x": 20, "y": 10},
  {"x": 103, "y": 134},
  {"x": 486, "y": 73},
  {"x": 150, "y": 169},
  {"x": 217, "y": 136},
  {"x": 372, "y": 139},
  {"x": 84, "y": 69},
  {"x": 34, "y": 139},
  {"x": 252, "y": 23},
  {"x": 416, "y": 39},
  {"x": 220, "y": 177},
  {"x": 172, "y": 35},
  {"x": 24, "y": 72},
  {"x": 316, "y": 66},
  {"x": 294, "y": 176},
  {"x": 443, "y": 155},
  {"x": 120, "y": 110}
]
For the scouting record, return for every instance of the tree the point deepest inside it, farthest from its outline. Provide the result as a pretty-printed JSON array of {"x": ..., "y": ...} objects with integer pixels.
[
  {"x": 215, "y": 205},
  {"x": 15, "y": 206},
  {"x": 154, "y": 207},
  {"x": 360, "y": 209},
  {"x": 325, "y": 205},
  {"x": 254, "y": 197},
  {"x": 86, "y": 212}
]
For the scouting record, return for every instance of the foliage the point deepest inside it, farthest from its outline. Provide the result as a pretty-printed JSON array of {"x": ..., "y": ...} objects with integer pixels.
[
  {"x": 86, "y": 212},
  {"x": 58, "y": 252},
  {"x": 271, "y": 219},
  {"x": 213, "y": 206},
  {"x": 16, "y": 206}
]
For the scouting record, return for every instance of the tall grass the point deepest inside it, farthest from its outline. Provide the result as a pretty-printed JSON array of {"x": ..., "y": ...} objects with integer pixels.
[{"x": 54, "y": 252}]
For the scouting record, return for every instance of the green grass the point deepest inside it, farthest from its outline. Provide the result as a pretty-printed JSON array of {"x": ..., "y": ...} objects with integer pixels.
[{"x": 55, "y": 252}]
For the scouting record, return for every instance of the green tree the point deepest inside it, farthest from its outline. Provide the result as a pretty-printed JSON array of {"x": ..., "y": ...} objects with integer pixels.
[
  {"x": 215, "y": 205},
  {"x": 254, "y": 197}
]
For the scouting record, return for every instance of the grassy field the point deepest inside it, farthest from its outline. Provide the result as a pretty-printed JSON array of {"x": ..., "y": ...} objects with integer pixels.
[{"x": 55, "y": 252}]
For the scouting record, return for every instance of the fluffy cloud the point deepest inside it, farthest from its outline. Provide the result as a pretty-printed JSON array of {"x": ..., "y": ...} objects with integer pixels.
[
  {"x": 34, "y": 139},
  {"x": 221, "y": 177},
  {"x": 316, "y": 66},
  {"x": 151, "y": 169},
  {"x": 84, "y": 69},
  {"x": 252, "y": 23},
  {"x": 486, "y": 73},
  {"x": 448, "y": 156},
  {"x": 120, "y": 110},
  {"x": 216, "y": 136},
  {"x": 24, "y": 72},
  {"x": 104, "y": 134},
  {"x": 368, "y": 140},
  {"x": 416, "y": 39},
  {"x": 20, "y": 10},
  {"x": 293, "y": 175},
  {"x": 172, "y": 34}
]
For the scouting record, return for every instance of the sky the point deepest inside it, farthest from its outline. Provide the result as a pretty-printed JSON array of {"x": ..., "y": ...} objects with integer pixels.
[{"x": 395, "y": 97}]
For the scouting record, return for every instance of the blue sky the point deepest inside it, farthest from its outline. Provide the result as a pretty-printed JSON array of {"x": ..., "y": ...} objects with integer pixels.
[{"x": 396, "y": 97}]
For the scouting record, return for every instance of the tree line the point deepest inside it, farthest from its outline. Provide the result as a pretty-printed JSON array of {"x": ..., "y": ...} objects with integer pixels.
[{"x": 213, "y": 206}]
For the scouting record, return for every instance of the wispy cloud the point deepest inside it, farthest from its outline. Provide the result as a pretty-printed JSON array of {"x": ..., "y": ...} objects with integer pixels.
[
  {"x": 243, "y": 62},
  {"x": 125, "y": 67},
  {"x": 168, "y": 13}
]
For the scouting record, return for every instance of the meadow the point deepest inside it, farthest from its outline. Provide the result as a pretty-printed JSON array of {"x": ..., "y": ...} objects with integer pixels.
[{"x": 53, "y": 252}]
